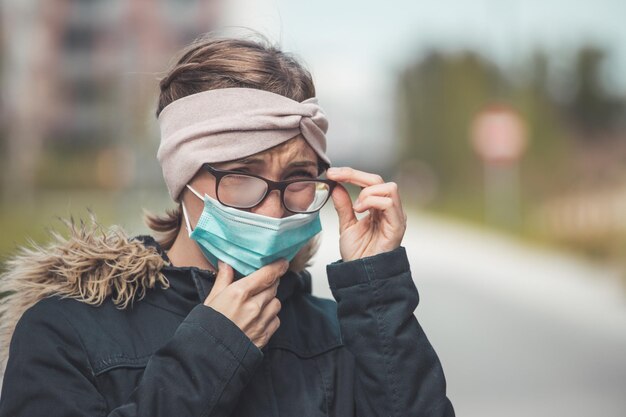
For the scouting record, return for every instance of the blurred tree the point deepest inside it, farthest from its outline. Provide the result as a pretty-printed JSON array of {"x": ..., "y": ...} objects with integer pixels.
[
  {"x": 592, "y": 109},
  {"x": 576, "y": 128},
  {"x": 549, "y": 153},
  {"x": 439, "y": 95}
]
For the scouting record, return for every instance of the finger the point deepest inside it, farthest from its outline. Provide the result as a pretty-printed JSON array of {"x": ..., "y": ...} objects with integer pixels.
[
  {"x": 270, "y": 310},
  {"x": 267, "y": 332},
  {"x": 272, "y": 327},
  {"x": 343, "y": 206},
  {"x": 225, "y": 276},
  {"x": 388, "y": 189},
  {"x": 264, "y": 277},
  {"x": 384, "y": 205},
  {"x": 353, "y": 176},
  {"x": 375, "y": 202},
  {"x": 263, "y": 297}
]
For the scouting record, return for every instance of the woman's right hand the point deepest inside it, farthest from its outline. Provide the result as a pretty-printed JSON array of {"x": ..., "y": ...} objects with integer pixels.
[{"x": 251, "y": 301}]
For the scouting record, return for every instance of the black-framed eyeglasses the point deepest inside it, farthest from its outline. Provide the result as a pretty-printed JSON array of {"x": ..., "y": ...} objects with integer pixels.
[{"x": 242, "y": 190}]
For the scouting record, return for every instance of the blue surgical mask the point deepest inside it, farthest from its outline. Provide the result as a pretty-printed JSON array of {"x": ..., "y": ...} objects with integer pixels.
[{"x": 245, "y": 240}]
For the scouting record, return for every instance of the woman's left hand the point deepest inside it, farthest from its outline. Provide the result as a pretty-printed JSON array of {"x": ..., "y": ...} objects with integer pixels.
[{"x": 384, "y": 226}]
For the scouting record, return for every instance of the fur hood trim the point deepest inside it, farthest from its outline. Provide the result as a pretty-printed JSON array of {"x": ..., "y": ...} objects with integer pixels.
[{"x": 91, "y": 264}]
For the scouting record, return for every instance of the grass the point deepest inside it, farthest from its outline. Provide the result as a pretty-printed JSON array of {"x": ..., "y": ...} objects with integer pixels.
[{"x": 32, "y": 220}]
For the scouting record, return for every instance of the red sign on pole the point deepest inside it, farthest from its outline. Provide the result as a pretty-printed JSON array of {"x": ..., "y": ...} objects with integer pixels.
[{"x": 498, "y": 135}]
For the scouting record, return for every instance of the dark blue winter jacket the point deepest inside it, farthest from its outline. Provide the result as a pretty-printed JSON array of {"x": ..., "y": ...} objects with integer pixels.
[{"x": 169, "y": 355}]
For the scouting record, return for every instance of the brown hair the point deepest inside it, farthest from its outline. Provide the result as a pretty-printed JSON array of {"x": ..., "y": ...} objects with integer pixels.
[{"x": 212, "y": 62}]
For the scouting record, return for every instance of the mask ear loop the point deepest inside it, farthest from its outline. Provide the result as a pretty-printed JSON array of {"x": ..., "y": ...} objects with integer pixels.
[
  {"x": 195, "y": 192},
  {"x": 187, "y": 224}
]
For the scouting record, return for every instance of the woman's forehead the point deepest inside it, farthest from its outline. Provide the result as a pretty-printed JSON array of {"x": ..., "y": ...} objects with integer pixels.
[{"x": 294, "y": 149}]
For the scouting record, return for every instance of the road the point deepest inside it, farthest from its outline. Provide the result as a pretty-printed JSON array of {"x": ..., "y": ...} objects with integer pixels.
[{"x": 520, "y": 331}]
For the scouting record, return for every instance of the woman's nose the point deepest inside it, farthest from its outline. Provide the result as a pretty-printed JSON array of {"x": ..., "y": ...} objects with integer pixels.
[{"x": 271, "y": 206}]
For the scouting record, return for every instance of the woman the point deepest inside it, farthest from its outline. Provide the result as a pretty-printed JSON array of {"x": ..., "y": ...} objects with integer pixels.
[{"x": 216, "y": 317}]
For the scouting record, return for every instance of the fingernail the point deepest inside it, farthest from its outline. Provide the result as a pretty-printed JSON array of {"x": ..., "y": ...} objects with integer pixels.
[{"x": 333, "y": 170}]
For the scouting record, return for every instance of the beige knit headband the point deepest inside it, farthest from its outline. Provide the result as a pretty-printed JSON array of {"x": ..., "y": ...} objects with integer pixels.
[{"x": 232, "y": 123}]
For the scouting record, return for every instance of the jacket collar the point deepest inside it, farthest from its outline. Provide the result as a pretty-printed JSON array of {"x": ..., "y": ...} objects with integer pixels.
[
  {"x": 308, "y": 326},
  {"x": 197, "y": 283}
]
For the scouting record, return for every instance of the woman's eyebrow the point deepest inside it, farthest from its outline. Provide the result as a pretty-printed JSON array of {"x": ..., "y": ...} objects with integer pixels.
[
  {"x": 252, "y": 161},
  {"x": 249, "y": 161},
  {"x": 303, "y": 164}
]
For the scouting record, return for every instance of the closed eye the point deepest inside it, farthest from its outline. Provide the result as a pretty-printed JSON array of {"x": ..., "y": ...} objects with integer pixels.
[
  {"x": 305, "y": 174},
  {"x": 294, "y": 175},
  {"x": 243, "y": 170}
]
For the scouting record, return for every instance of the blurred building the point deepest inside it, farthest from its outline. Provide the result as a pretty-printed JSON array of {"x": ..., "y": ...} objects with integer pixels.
[{"x": 79, "y": 77}]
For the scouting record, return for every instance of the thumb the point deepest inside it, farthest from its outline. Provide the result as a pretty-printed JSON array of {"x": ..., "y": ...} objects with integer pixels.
[
  {"x": 225, "y": 276},
  {"x": 343, "y": 206}
]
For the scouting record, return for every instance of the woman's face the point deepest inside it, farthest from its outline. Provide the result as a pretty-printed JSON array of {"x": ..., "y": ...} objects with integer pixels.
[{"x": 290, "y": 160}]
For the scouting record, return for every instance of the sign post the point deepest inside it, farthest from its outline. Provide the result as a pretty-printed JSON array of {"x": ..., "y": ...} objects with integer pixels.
[{"x": 498, "y": 135}]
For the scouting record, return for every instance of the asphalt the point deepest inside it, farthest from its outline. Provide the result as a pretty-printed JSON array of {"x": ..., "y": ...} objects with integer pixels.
[{"x": 520, "y": 331}]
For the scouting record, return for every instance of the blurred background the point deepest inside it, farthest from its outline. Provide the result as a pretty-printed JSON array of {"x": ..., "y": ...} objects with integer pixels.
[{"x": 503, "y": 122}]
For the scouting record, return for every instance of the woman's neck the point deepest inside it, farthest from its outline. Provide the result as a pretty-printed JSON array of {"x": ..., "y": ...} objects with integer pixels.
[{"x": 186, "y": 252}]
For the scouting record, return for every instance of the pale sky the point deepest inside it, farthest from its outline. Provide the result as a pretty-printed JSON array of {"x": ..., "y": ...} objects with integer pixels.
[{"x": 355, "y": 48}]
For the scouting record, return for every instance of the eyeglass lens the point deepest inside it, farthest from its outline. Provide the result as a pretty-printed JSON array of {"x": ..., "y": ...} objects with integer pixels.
[{"x": 244, "y": 192}]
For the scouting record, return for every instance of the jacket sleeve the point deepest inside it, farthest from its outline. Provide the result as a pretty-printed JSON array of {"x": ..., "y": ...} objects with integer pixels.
[
  {"x": 397, "y": 371},
  {"x": 201, "y": 371}
]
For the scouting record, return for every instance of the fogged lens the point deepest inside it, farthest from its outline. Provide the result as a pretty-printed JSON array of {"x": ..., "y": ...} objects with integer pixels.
[
  {"x": 241, "y": 190},
  {"x": 303, "y": 196}
]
